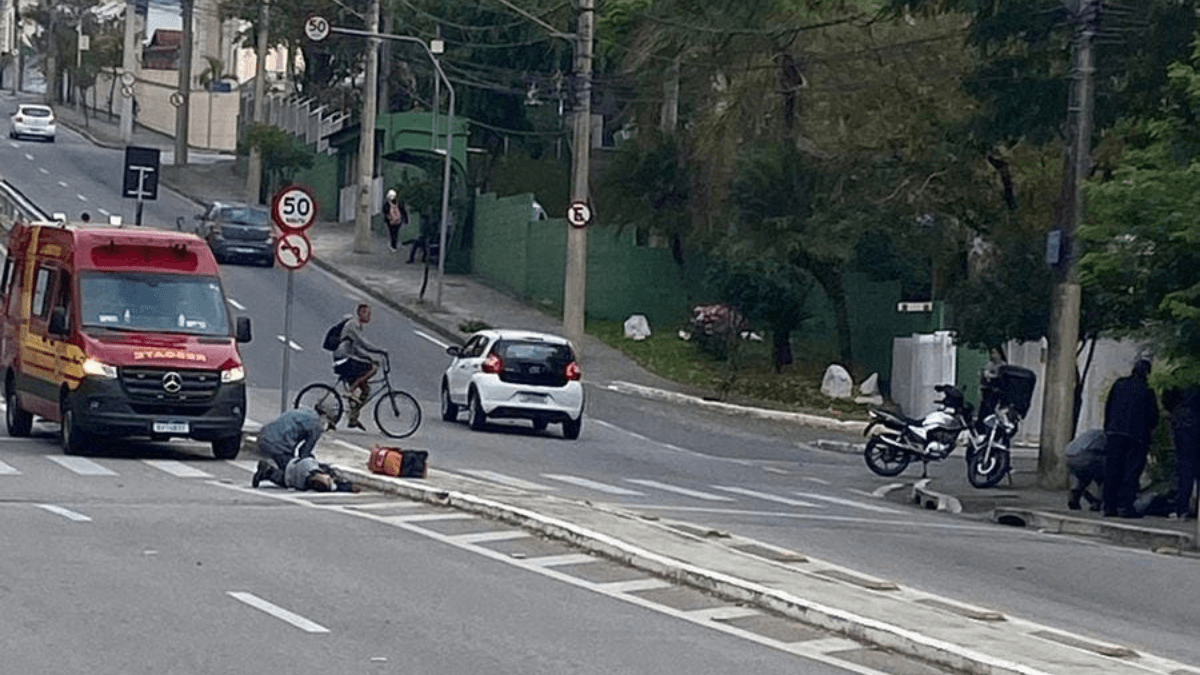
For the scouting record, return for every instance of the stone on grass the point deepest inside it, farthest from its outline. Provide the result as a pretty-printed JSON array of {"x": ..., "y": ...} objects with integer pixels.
[{"x": 837, "y": 382}]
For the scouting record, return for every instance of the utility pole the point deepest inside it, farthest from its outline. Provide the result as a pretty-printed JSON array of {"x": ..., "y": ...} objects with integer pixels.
[
  {"x": 128, "y": 63},
  {"x": 575, "y": 287},
  {"x": 254, "y": 165},
  {"x": 1058, "y": 407},
  {"x": 184, "y": 110},
  {"x": 385, "y": 63},
  {"x": 366, "y": 139},
  {"x": 51, "y": 56}
]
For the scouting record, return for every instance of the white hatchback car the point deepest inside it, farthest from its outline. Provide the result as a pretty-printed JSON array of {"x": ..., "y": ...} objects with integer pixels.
[
  {"x": 32, "y": 120},
  {"x": 514, "y": 374}
]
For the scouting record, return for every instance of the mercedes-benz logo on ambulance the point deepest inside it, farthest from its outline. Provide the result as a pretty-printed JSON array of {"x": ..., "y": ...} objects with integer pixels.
[{"x": 172, "y": 382}]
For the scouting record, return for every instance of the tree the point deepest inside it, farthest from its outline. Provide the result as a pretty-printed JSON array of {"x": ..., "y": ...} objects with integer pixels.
[{"x": 282, "y": 157}]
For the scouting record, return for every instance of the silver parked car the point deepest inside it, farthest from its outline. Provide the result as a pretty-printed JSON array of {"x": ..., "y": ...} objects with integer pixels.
[
  {"x": 32, "y": 119},
  {"x": 515, "y": 374}
]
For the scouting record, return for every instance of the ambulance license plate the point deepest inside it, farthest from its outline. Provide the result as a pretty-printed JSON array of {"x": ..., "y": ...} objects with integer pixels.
[{"x": 171, "y": 427}]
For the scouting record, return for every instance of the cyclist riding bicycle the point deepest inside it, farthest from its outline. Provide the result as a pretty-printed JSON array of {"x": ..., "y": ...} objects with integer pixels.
[{"x": 353, "y": 362}]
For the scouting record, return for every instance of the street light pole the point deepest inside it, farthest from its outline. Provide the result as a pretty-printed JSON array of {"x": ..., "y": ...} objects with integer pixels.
[{"x": 366, "y": 139}]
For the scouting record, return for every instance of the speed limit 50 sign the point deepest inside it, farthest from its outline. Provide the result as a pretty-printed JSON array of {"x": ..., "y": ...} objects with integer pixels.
[{"x": 293, "y": 208}]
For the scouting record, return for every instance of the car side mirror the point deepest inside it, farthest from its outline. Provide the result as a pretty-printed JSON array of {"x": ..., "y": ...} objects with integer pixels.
[
  {"x": 58, "y": 321},
  {"x": 453, "y": 351},
  {"x": 242, "y": 331}
]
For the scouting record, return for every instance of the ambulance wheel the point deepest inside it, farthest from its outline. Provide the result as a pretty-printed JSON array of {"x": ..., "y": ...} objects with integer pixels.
[
  {"x": 75, "y": 441},
  {"x": 227, "y": 448},
  {"x": 19, "y": 422}
]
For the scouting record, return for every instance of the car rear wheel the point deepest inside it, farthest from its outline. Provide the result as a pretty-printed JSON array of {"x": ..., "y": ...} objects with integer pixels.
[
  {"x": 475, "y": 415},
  {"x": 449, "y": 408},
  {"x": 571, "y": 428},
  {"x": 19, "y": 422}
]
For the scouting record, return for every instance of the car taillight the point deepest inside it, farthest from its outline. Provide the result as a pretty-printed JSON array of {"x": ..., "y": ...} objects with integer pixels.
[
  {"x": 493, "y": 364},
  {"x": 573, "y": 371},
  {"x": 18, "y": 119}
]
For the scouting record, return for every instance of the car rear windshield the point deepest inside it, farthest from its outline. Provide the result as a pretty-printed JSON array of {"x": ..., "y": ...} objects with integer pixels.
[
  {"x": 152, "y": 302},
  {"x": 557, "y": 355},
  {"x": 245, "y": 216},
  {"x": 36, "y": 112}
]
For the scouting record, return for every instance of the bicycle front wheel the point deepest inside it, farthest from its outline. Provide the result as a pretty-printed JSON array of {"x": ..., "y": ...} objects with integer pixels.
[
  {"x": 397, "y": 414},
  {"x": 319, "y": 396}
]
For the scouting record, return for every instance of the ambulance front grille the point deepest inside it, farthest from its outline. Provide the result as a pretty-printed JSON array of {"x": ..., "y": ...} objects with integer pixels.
[{"x": 170, "y": 386}]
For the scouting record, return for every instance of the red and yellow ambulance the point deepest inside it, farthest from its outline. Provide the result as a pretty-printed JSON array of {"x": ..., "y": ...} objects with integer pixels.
[{"x": 119, "y": 332}]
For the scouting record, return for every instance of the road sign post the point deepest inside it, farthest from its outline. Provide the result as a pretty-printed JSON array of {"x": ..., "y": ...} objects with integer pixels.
[{"x": 294, "y": 210}]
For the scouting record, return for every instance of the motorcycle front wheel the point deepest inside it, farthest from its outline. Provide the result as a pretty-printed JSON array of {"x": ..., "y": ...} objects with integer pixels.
[
  {"x": 985, "y": 469},
  {"x": 885, "y": 459}
]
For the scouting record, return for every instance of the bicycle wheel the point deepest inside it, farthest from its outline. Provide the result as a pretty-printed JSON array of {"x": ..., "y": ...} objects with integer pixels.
[
  {"x": 397, "y": 414},
  {"x": 323, "y": 395}
]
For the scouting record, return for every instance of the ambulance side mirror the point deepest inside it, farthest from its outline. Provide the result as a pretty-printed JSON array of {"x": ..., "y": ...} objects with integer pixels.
[
  {"x": 58, "y": 321},
  {"x": 242, "y": 330}
]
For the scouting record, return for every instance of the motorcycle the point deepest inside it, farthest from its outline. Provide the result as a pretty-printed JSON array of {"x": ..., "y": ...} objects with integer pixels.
[{"x": 989, "y": 435}]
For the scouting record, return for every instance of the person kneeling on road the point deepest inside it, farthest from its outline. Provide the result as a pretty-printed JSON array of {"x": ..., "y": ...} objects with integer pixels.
[{"x": 288, "y": 443}]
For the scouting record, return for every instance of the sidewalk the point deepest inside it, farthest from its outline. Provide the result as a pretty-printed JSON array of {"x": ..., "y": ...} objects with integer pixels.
[{"x": 969, "y": 639}]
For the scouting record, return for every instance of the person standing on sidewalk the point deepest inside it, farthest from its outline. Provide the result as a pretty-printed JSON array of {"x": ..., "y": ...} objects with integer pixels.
[
  {"x": 1130, "y": 415},
  {"x": 1183, "y": 404},
  {"x": 395, "y": 216}
]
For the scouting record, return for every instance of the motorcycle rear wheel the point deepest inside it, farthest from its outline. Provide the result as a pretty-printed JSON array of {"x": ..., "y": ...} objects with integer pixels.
[
  {"x": 986, "y": 472},
  {"x": 885, "y": 459}
]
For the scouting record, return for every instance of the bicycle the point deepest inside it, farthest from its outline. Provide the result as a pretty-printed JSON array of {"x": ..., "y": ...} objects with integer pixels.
[{"x": 397, "y": 413}]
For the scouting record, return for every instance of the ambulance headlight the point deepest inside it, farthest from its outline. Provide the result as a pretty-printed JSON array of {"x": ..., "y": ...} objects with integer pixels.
[
  {"x": 235, "y": 374},
  {"x": 99, "y": 369}
]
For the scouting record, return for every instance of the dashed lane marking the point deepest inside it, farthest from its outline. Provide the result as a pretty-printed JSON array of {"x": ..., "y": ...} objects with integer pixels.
[
  {"x": 65, "y": 513},
  {"x": 237, "y": 305},
  {"x": 666, "y": 487},
  {"x": 506, "y": 480},
  {"x": 767, "y": 496},
  {"x": 430, "y": 338},
  {"x": 278, "y": 612},
  {"x": 846, "y": 502},
  {"x": 593, "y": 485}
]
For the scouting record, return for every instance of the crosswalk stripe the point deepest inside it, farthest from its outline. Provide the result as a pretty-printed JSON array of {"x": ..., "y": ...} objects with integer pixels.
[
  {"x": 847, "y": 502},
  {"x": 65, "y": 513},
  {"x": 81, "y": 465},
  {"x": 768, "y": 497},
  {"x": 177, "y": 468},
  {"x": 592, "y": 485},
  {"x": 6, "y": 470},
  {"x": 708, "y": 496},
  {"x": 561, "y": 560},
  {"x": 494, "y": 477}
]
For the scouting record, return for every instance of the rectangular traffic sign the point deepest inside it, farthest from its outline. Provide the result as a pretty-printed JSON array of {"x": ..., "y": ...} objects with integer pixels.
[{"x": 141, "y": 173}]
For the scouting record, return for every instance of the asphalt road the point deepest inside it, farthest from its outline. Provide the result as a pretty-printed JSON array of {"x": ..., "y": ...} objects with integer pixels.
[{"x": 760, "y": 479}]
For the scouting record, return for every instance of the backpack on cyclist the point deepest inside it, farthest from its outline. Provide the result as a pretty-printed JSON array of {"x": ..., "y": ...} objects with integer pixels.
[{"x": 333, "y": 336}]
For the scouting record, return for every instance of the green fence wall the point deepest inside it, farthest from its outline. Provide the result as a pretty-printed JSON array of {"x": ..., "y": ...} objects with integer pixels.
[
  {"x": 526, "y": 258},
  {"x": 322, "y": 179}
]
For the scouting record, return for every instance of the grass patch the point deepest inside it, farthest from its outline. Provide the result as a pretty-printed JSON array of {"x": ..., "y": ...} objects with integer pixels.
[{"x": 747, "y": 378}]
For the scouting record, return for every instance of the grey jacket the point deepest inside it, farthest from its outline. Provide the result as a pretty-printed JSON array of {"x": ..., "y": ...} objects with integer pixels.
[
  {"x": 300, "y": 427},
  {"x": 296, "y": 474},
  {"x": 354, "y": 345}
]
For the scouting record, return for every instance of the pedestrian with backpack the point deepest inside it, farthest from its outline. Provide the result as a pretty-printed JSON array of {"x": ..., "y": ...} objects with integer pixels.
[
  {"x": 354, "y": 361},
  {"x": 395, "y": 216}
]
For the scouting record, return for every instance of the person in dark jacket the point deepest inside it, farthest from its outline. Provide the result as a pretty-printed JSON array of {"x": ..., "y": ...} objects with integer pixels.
[
  {"x": 292, "y": 435},
  {"x": 1184, "y": 408},
  {"x": 1130, "y": 415}
]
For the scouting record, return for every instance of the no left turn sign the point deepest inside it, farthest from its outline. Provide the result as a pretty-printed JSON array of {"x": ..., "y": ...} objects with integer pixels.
[
  {"x": 293, "y": 208},
  {"x": 293, "y": 250},
  {"x": 579, "y": 214}
]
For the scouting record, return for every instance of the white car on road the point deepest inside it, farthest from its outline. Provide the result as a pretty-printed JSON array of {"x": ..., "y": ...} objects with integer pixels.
[
  {"x": 32, "y": 119},
  {"x": 514, "y": 374}
]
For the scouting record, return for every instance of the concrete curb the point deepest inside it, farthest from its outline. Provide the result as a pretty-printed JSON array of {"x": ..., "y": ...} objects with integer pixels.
[
  {"x": 848, "y": 426},
  {"x": 843, "y": 622},
  {"x": 1118, "y": 533}
]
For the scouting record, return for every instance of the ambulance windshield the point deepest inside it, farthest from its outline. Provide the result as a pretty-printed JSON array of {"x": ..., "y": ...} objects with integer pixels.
[{"x": 160, "y": 303}]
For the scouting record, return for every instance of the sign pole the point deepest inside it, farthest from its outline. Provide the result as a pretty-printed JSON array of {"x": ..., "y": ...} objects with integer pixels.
[{"x": 287, "y": 344}]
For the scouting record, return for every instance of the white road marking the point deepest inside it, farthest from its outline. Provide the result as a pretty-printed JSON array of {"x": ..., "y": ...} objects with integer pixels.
[
  {"x": 427, "y": 517},
  {"x": 484, "y": 537},
  {"x": 829, "y": 645},
  {"x": 62, "y": 183},
  {"x": 236, "y": 305},
  {"x": 244, "y": 464},
  {"x": 560, "y": 560},
  {"x": 427, "y": 336},
  {"x": 290, "y": 343},
  {"x": 29, "y": 156},
  {"x": 104, "y": 212},
  {"x": 6, "y": 470},
  {"x": 592, "y": 485},
  {"x": 846, "y": 502},
  {"x": 767, "y": 496},
  {"x": 819, "y": 481},
  {"x": 726, "y": 613},
  {"x": 634, "y": 585},
  {"x": 506, "y": 480},
  {"x": 81, "y": 198},
  {"x": 81, "y": 465},
  {"x": 44, "y": 170},
  {"x": 707, "y": 496},
  {"x": 278, "y": 612},
  {"x": 65, "y": 513},
  {"x": 177, "y": 468}
]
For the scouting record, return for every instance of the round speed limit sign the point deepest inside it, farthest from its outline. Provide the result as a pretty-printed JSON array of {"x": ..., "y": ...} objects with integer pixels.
[
  {"x": 293, "y": 209},
  {"x": 316, "y": 28}
]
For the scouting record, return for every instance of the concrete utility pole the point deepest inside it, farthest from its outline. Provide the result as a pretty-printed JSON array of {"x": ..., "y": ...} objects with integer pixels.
[
  {"x": 184, "y": 110},
  {"x": 575, "y": 287},
  {"x": 366, "y": 138},
  {"x": 254, "y": 165},
  {"x": 128, "y": 66},
  {"x": 1058, "y": 407},
  {"x": 385, "y": 63}
]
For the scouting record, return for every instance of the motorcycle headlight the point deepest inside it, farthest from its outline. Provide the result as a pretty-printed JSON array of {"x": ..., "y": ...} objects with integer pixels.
[
  {"x": 99, "y": 369},
  {"x": 235, "y": 374}
]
